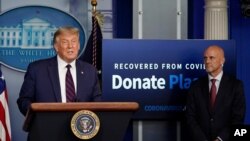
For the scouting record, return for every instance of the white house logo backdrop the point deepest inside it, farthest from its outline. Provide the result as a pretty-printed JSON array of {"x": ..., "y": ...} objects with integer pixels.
[{"x": 26, "y": 34}]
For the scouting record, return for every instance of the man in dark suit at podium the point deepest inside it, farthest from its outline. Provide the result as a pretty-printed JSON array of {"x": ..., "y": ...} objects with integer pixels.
[
  {"x": 62, "y": 78},
  {"x": 215, "y": 102}
]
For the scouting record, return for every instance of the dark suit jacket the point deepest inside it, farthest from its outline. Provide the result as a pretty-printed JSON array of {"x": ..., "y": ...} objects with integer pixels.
[
  {"x": 205, "y": 124},
  {"x": 41, "y": 83}
]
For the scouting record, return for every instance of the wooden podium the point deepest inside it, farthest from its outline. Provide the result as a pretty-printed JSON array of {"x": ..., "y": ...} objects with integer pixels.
[{"x": 51, "y": 121}]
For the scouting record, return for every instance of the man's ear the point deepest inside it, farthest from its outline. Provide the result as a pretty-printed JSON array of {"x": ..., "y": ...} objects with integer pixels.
[
  {"x": 223, "y": 61},
  {"x": 55, "y": 47}
]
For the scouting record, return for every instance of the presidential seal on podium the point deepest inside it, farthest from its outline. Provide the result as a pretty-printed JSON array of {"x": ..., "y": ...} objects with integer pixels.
[{"x": 85, "y": 124}]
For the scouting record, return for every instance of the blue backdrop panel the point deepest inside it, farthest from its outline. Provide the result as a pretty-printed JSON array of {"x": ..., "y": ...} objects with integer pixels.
[{"x": 156, "y": 73}]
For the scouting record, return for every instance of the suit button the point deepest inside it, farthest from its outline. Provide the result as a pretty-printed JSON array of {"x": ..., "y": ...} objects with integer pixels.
[{"x": 211, "y": 119}]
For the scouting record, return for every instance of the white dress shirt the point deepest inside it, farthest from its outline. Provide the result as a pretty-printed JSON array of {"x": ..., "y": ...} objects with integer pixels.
[
  {"x": 217, "y": 82},
  {"x": 62, "y": 74}
]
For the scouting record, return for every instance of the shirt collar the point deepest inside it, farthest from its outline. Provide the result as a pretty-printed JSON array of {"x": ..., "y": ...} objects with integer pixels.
[
  {"x": 62, "y": 63},
  {"x": 218, "y": 77}
]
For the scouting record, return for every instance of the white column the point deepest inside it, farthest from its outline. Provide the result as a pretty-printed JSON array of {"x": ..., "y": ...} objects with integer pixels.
[
  {"x": 178, "y": 19},
  {"x": 216, "y": 20}
]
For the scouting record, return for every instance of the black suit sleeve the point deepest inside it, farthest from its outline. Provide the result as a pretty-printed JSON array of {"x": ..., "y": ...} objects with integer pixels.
[
  {"x": 26, "y": 94},
  {"x": 239, "y": 104},
  {"x": 238, "y": 109},
  {"x": 195, "y": 130}
]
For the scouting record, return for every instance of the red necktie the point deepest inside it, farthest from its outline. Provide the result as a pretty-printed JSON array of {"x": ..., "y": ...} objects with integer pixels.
[
  {"x": 70, "y": 88},
  {"x": 212, "y": 93}
]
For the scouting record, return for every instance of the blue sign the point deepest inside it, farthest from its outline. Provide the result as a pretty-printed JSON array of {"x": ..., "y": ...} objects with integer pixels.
[
  {"x": 26, "y": 34},
  {"x": 156, "y": 73}
]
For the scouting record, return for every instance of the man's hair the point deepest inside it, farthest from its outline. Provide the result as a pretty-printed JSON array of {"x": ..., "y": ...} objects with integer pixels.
[{"x": 65, "y": 29}]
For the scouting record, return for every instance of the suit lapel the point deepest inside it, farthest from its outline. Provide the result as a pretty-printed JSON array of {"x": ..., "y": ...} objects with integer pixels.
[
  {"x": 54, "y": 78},
  {"x": 80, "y": 74},
  {"x": 205, "y": 92},
  {"x": 221, "y": 92}
]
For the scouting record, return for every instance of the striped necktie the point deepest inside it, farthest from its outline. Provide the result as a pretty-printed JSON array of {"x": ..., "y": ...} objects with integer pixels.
[{"x": 70, "y": 88}]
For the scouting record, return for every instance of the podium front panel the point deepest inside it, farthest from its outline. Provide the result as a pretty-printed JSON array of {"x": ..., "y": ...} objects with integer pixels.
[{"x": 55, "y": 126}]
